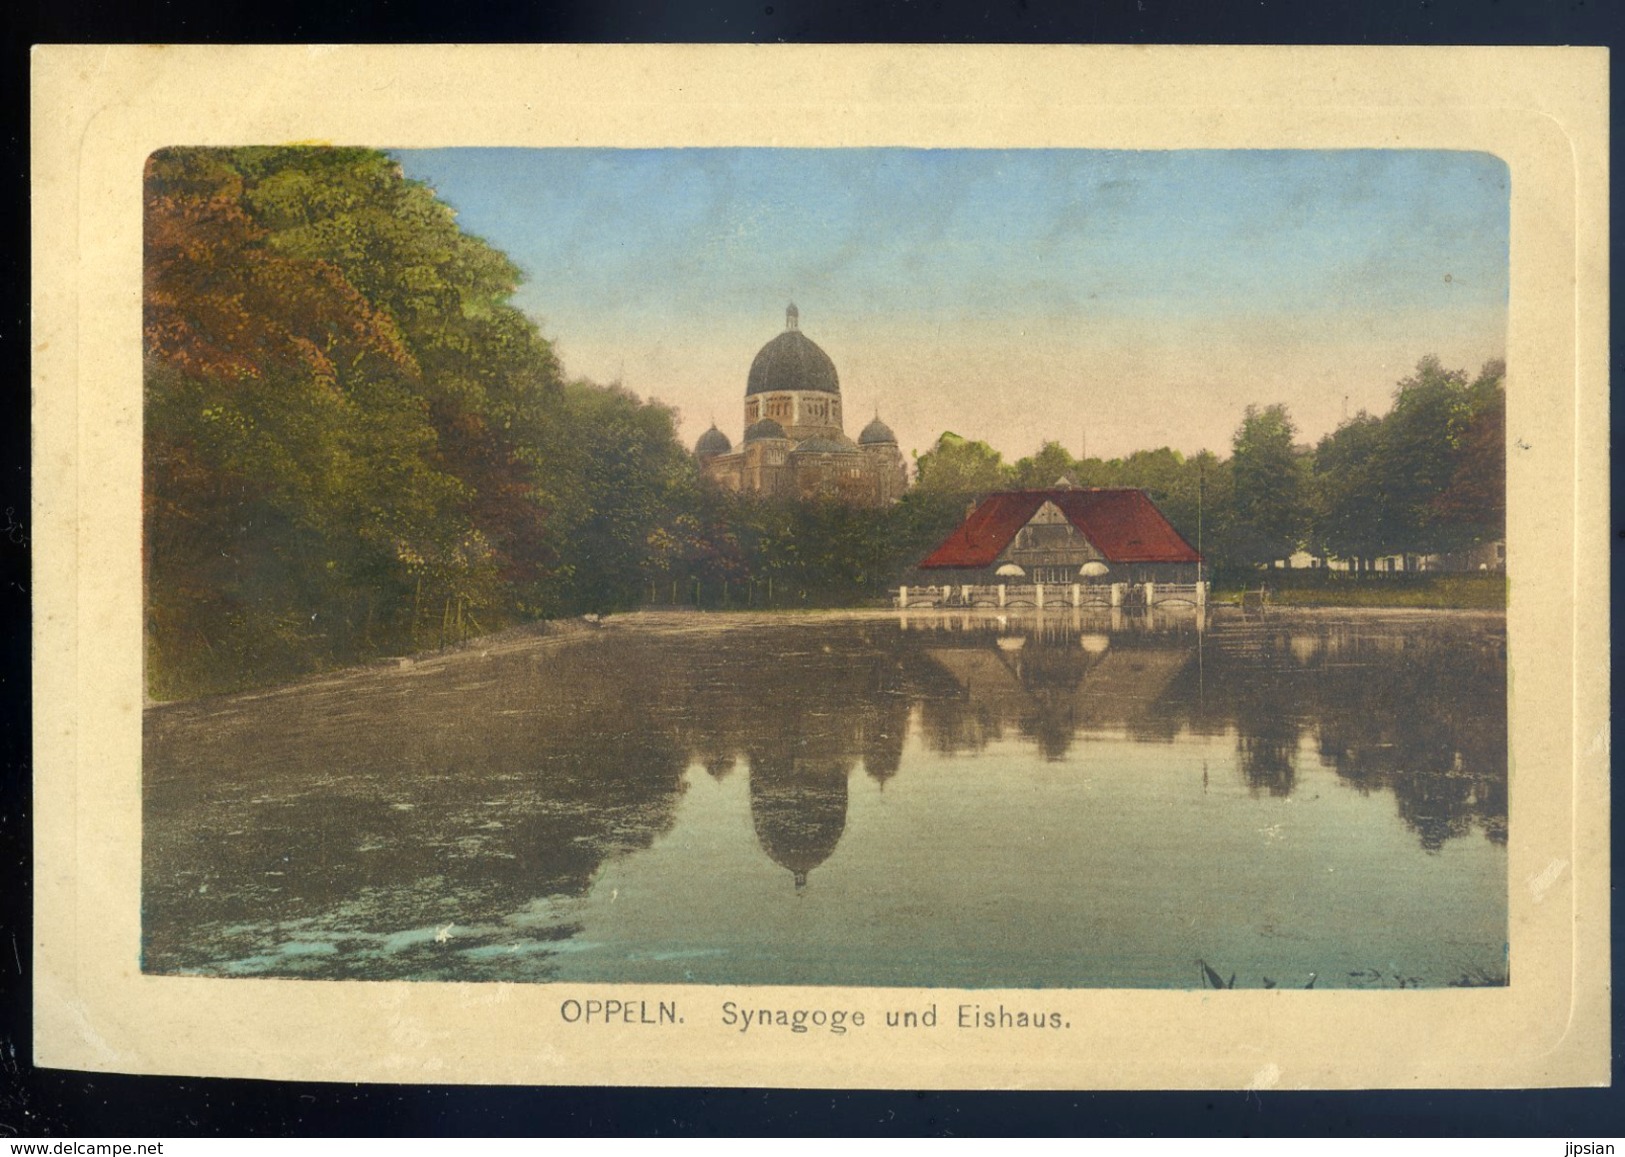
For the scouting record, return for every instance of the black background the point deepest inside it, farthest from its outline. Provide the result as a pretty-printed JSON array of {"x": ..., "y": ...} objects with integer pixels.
[{"x": 53, "y": 1103}]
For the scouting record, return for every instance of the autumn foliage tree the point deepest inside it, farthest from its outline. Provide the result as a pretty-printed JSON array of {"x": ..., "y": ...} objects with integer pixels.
[
  {"x": 274, "y": 523},
  {"x": 354, "y": 442}
]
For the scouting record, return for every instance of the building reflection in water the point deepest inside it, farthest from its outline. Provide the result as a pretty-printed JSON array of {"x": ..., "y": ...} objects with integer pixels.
[
  {"x": 1418, "y": 715},
  {"x": 798, "y": 807},
  {"x": 1052, "y": 679},
  {"x": 480, "y": 787}
]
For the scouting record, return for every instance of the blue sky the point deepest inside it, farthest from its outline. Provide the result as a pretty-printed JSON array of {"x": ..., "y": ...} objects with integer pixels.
[{"x": 1133, "y": 299}]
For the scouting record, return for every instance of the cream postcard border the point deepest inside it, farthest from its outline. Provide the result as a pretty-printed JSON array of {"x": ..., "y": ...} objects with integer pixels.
[{"x": 99, "y": 111}]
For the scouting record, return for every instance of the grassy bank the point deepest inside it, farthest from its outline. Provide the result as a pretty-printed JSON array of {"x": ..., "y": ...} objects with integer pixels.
[
  {"x": 165, "y": 686},
  {"x": 1322, "y": 589}
]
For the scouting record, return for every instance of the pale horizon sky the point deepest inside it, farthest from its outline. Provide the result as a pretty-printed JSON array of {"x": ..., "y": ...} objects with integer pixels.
[{"x": 1109, "y": 300}]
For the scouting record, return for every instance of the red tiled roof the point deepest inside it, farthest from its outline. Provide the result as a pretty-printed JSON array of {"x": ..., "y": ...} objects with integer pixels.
[{"x": 1124, "y": 525}]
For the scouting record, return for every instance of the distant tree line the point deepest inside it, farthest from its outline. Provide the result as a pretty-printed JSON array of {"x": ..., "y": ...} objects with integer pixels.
[
  {"x": 356, "y": 445},
  {"x": 1428, "y": 477}
]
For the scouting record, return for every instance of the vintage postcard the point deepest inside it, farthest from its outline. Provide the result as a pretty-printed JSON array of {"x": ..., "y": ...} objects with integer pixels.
[{"x": 823, "y": 567}]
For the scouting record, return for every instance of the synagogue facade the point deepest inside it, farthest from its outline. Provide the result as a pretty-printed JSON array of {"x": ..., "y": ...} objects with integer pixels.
[{"x": 795, "y": 444}]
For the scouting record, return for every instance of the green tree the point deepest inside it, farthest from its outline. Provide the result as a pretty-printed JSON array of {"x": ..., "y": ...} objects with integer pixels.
[
  {"x": 1472, "y": 506},
  {"x": 764, "y": 529},
  {"x": 293, "y": 491},
  {"x": 618, "y": 476},
  {"x": 487, "y": 379},
  {"x": 956, "y": 465},
  {"x": 1270, "y": 501},
  {"x": 1215, "y": 481},
  {"x": 1421, "y": 437},
  {"x": 353, "y": 441},
  {"x": 1192, "y": 493},
  {"x": 1351, "y": 518},
  {"x": 1043, "y": 469}
]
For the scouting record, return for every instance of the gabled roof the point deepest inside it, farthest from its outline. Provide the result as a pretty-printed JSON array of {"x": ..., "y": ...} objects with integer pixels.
[{"x": 1124, "y": 525}]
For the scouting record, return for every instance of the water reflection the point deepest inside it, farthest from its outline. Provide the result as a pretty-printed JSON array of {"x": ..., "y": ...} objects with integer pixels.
[
  {"x": 348, "y": 827},
  {"x": 1415, "y": 707},
  {"x": 798, "y": 808}
]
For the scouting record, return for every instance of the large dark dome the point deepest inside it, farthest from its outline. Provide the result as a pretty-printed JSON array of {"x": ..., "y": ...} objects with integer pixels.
[{"x": 792, "y": 361}]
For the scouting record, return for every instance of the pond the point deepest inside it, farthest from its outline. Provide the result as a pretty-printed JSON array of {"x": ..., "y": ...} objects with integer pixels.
[{"x": 1070, "y": 799}]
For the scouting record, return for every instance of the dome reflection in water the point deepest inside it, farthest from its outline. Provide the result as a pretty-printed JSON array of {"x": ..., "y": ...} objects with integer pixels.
[{"x": 1065, "y": 799}]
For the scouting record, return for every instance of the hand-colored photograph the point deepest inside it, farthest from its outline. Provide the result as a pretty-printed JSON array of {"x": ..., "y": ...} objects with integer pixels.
[{"x": 962, "y": 568}]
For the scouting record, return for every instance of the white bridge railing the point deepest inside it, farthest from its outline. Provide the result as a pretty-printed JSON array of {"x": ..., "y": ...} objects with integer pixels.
[{"x": 1041, "y": 595}]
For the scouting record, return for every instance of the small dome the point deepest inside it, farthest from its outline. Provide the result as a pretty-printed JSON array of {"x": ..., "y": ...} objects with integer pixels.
[
  {"x": 824, "y": 446},
  {"x": 792, "y": 361},
  {"x": 712, "y": 443},
  {"x": 876, "y": 433},
  {"x": 766, "y": 428}
]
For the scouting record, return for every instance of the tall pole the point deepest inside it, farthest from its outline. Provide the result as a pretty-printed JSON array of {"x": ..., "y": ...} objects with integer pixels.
[
  {"x": 1201, "y": 501},
  {"x": 1201, "y": 610}
]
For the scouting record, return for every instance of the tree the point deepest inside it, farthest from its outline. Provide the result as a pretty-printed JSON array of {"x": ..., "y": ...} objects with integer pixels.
[
  {"x": 1271, "y": 511},
  {"x": 1351, "y": 518},
  {"x": 488, "y": 381},
  {"x": 292, "y": 487},
  {"x": 956, "y": 465},
  {"x": 1045, "y": 468},
  {"x": 353, "y": 440},
  {"x": 1216, "y": 488},
  {"x": 1472, "y": 506},
  {"x": 619, "y": 475},
  {"x": 1421, "y": 435}
]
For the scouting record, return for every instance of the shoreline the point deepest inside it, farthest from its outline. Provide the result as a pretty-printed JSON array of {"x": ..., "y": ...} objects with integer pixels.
[{"x": 549, "y": 633}]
